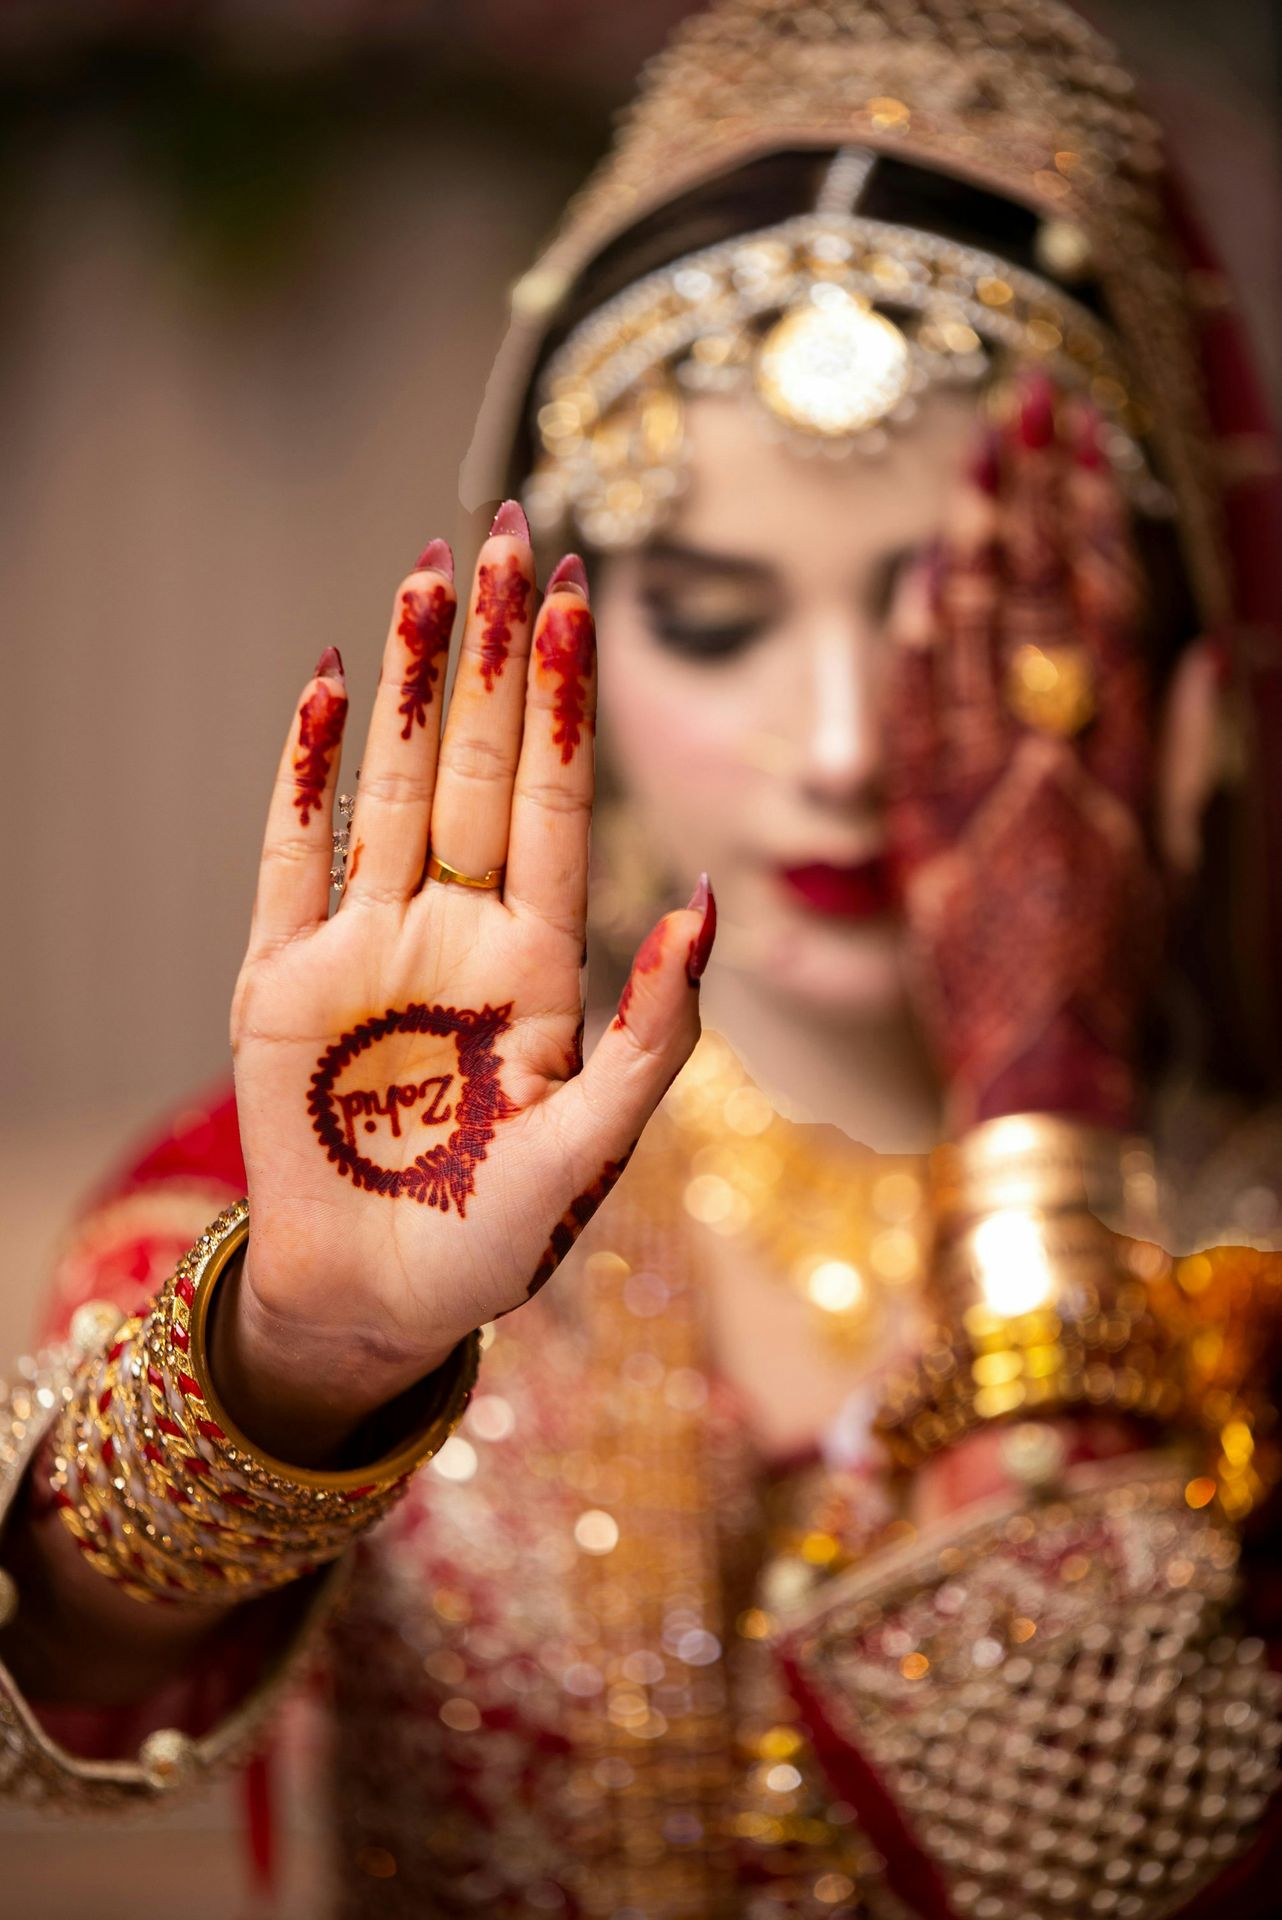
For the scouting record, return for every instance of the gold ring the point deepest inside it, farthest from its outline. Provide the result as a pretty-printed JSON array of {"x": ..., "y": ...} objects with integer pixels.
[
  {"x": 1052, "y": 688},
  {"x": 438, "y": 869}
]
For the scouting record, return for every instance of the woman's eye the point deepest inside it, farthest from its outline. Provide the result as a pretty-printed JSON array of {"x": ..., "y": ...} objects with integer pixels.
[{"x": 702, "y": 638}]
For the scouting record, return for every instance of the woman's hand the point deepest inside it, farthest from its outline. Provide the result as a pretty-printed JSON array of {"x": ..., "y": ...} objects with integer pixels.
[
  {"x": 422, "y": 1138},
  {"x": 1020, "y": 779}
]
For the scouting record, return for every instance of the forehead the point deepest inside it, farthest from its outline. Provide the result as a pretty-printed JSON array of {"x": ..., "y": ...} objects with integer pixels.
[{"x": 754, "y": 493}]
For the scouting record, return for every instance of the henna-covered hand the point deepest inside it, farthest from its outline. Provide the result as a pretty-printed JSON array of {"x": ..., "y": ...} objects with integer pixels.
[
  {"x": 1033, "y": 906},
  {"x": 421, "y": 1137}
]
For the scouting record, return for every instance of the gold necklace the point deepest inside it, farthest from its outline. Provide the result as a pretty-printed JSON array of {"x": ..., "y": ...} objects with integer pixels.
[{"x": 840, "y": 1225}]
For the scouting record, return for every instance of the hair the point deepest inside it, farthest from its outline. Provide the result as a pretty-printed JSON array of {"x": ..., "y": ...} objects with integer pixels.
[{"x": 1206, "y": 1024}]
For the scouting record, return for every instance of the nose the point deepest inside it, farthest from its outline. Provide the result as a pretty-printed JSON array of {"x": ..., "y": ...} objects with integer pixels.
[{"x": 842, "y": 744}]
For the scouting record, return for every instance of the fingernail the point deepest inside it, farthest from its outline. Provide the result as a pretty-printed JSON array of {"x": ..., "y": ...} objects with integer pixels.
[
  {"x": 703, "y": 901},
  {"x": 329, "y": 666},
  {"x": 510, "y": 518},
  {"x": 985, "y": 468},
  {"x": 1036, "y": 412},
  {"x": 569, "y": 572},
  {"x": 436, "y": 555}
]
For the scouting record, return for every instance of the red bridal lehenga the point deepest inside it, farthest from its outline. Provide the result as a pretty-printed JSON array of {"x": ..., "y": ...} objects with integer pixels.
[{"x": 600, "y": 1658}]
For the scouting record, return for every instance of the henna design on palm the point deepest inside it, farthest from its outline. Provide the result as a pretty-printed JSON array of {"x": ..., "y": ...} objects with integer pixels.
[{"x": 444, "y": 1173}]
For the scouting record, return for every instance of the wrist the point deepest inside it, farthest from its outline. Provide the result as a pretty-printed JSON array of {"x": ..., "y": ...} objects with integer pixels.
[{"x": 299, "y": 1392}]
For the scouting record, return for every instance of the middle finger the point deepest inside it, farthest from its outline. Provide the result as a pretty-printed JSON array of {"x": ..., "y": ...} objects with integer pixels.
[{"x": 482, "y": 739}]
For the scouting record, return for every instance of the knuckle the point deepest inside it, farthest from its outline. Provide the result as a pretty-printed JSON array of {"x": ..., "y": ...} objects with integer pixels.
[
  {"x": 395, "y": 787},
  {"x": 555, "y": 796},
  {"x": 290, "y": 852},
  {"x": 475, "y": 758}
]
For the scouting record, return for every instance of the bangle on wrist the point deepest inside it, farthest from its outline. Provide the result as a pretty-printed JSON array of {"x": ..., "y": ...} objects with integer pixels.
[
  {"x": 1041, "y": 1306},
  {"x": 165, "y": 1494}
]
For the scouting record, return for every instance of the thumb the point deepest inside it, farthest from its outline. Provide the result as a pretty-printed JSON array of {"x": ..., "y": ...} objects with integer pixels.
[{"x": 650, "y": 1038}]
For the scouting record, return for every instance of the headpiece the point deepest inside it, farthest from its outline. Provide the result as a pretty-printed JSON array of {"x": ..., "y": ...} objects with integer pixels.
[
  {"x": 836, "y": 320},
  {"x": 1022, "y": 100}
]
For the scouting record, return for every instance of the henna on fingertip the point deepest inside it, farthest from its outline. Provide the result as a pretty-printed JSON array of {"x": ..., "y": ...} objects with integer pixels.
[
  {"x": 425, "y": 627},
  {"x": 320, "y": 737},
  {"x": 564, "y": 656}
]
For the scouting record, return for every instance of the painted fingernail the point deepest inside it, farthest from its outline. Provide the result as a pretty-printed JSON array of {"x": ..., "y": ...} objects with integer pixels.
[
  {"x": 437, "y": 556},
  {"x": 1036, "y": 411},
  {"x": 329, "y": 666},
  {"x": 703, "y": 901},
  {"x": 510, "y": 518},
  {"x": 985, "y": 468},
  {"x": 569, "y": 572}
]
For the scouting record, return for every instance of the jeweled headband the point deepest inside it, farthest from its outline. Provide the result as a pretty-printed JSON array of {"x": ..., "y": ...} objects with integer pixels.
[
  {"x": 1018, "y": 99},
  {"x": 836, "y": 322}
]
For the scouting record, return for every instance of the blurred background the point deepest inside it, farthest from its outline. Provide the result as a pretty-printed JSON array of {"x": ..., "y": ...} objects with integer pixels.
[{"x": 255, "y": 261}]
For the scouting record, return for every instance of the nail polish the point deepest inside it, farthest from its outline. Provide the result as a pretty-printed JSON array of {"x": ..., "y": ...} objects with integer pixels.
[
  {"x": 702, "y": 900},
  {"x": 985, "y": 468},
  {"x": 569, "y": 572},
  {"x": 1036, "y": 412},
  {"x": 329, "y": 666},
  {"x": 510, "y": 518},
  {"x": 437, "y": 556}
]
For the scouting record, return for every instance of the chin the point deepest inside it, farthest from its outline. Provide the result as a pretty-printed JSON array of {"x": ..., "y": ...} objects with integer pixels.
[{"x": 850, "y": 973}]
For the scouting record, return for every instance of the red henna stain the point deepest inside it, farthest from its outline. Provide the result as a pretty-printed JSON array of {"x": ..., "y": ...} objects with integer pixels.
[
  {"x": 320, "y": 733},
  {"x": 363, "y": 1102},
  {"x": 564, "y": 650},
  {"x": 354, "y": 859},
  {"x": 649, "y": 957},
  {"x": 572, "y": 1222},
  {"x": 426, "y": 622},
  {"x": 445, "y": 1173},
  {"x": 502, "y": 598},
  {"x": 574, "y": 1058}
]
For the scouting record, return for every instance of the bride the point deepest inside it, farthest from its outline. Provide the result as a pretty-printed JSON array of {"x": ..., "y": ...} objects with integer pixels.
[{"x": 845, "y": 1530}]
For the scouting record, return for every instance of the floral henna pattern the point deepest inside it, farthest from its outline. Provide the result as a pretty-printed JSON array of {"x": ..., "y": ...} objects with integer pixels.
[
  {"x": 427, "y": 619},
  {"x": 444, "y": 1174},
  {"x": 564, "y": 649},
  {"x": 502, "y": 599},
  {"x": 572, "y": 1222},
  {"x": 320, "y": 733}
]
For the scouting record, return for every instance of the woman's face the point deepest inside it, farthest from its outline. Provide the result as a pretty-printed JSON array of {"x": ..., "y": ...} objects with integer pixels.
[{"x": 744, "y": 657}]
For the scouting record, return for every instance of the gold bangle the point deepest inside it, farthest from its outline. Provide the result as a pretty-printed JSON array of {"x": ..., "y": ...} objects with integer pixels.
[
  {"x": 163, "y": 1492},
  {"x": 438, "y": 869},
  {"x": 1042, "y": 1162},
  {"x": 456, "y": 1378},
  {"x": 1042, "y": 1305}
]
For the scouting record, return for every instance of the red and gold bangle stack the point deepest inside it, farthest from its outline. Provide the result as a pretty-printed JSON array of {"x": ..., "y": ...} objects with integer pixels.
[{"x": 166, "y": 1497}]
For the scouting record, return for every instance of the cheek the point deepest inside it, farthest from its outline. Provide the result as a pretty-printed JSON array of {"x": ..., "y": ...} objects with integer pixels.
[{"x": 674, "y": 738}]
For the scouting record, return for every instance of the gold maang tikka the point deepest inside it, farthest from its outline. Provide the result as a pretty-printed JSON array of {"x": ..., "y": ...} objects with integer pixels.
[{"x": 838, "y": 324}]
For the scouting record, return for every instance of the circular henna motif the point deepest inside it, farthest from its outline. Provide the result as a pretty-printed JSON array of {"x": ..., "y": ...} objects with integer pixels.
[{"x": 471, "y": 1099}]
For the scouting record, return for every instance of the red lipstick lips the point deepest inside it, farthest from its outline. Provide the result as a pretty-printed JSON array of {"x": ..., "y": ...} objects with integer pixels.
[{"x": 860, "y": 892}]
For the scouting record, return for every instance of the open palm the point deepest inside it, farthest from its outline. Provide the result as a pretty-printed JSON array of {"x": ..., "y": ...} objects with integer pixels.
[{"x": 419, "y": 1131}]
